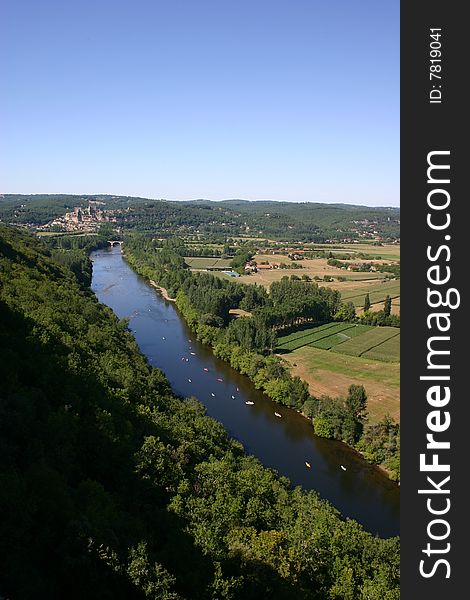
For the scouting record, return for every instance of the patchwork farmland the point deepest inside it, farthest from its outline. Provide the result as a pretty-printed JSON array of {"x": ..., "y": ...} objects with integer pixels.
[
  {"x": 378, "y": 343},
  {"x": 333, "y": 356},
  {"x": 311, "y": 335},
  {"x": 387, "y": 351},
  {"x": 331, "y": 373},
  {"x": 372, "y": 342},
  {"x": 377, "y": 293},
  {"x": 203, "y": 263}
]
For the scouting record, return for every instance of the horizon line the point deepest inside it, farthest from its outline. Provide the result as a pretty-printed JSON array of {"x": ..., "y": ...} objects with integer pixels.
[{"x": 2, "y": 194}]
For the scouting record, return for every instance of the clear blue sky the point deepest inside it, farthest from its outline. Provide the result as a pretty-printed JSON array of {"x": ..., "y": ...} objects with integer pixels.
[{"x": 258, "y": 99}]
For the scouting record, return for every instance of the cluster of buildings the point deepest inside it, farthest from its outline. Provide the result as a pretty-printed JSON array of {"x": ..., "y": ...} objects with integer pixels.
[
  {"x": 253, "y": 267},
  {"x": 85, "y": 219}
]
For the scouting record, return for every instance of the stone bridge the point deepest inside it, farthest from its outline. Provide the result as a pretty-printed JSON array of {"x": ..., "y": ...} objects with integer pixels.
[{"x": 115, "y": 242}]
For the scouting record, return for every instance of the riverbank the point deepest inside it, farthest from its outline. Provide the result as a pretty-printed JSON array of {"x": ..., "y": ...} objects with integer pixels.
[
  {"x": 380, "y": 467},
  {"x": 163, "y": 291}
]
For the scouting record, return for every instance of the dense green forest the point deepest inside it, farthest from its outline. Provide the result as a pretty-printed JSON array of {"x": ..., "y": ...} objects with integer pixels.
[
  {"x": 112, "y": 487},
  {"x": 289, "y": 221}
]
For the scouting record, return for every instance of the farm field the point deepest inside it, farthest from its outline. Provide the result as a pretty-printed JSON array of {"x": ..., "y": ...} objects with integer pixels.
[
  {"x": 388, "y": 350},
  {"x": 387, "y": 252},
  {"x": 373, "y": 340},
  {"x": 359, "y": 285},
  {"x": 206, "y": 263},
  {"x": 315, "y": 267},
  {"x": 51, "y": 234},
  {"x": 332, "y": 356},
  {"x": 330, "y": 373},
  {"x": 379, "y": 306},
  {"x": 379, "y": 343},
  {"x": 323, "y": 336},
  {"x": 311, "y": 335},
  {"x": 341, "y": 336},
  {"x": 377, "y": 293}
]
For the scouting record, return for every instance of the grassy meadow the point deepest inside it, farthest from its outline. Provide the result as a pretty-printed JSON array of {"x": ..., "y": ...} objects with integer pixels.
[
  {"x": 330, "y": 373},
  {"x": 333, "y": 356}
]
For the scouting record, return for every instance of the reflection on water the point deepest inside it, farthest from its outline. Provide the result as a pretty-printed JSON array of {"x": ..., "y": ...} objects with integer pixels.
[{"x": 286, "y": 444}]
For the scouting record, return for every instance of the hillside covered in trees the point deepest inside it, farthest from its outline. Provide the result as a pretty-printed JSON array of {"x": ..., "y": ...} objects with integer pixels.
[
  {"x": 289, "y": 221},
  {"x": 112, "y": 487}
]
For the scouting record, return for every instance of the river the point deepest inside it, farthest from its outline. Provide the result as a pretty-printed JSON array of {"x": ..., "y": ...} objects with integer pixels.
[{"x": 284, "y": 443}]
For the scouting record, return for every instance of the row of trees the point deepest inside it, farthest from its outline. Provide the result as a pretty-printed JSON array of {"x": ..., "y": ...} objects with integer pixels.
[
  {"x": 380, "y": 318},
  {"x": 388, "y": 268}
]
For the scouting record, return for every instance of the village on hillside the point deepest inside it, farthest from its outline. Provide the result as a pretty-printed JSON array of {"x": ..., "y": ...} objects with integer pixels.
[{"x": 85, "y": 219}]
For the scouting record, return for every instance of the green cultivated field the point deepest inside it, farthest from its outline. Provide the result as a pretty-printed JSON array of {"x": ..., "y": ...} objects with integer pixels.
[
  {"x": 340, "y": 337},
  {"x": 206, "y": 263},
  {"x": 311, "y": 335},
  {"x": 304, "y": 332},
  {"x": 357, "y": 276},
  {"x": 365, "y": 341},
  {"x": 388, "y": 351},
  {"x": 331, "y": 374},
  {"x": 377, "y": 293},
  {"x": 371, "y": 342},
  {"x": 388, "y": 252}
]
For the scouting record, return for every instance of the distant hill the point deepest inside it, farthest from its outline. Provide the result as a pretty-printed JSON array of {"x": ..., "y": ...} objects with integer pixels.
[{"x": 290, "y": 221}]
